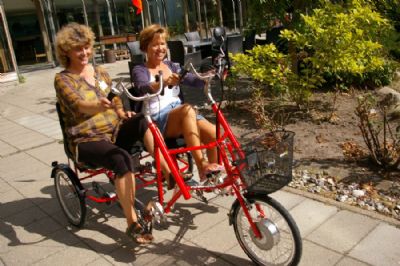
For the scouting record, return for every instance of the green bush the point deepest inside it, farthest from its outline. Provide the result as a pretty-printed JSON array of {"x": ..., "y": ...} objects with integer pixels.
[{"x": 345, "y": 42}]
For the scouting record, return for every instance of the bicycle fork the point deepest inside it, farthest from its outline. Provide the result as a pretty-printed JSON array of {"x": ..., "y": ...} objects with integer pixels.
[{"x": 243, "y": 203}]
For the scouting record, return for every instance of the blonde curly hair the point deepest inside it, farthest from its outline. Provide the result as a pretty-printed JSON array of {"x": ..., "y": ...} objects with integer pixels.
[
  {"x": 70, "y": 36},
  {"x": 147, "y": 35}
]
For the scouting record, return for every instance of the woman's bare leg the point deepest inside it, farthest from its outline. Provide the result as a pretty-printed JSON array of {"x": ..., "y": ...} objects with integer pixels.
[
  {"x": 182, "y": 121},
  {"x": 207, "y": 135},
  {"x": 149, "y": 144},
  {"x": 125, "y": 188}
]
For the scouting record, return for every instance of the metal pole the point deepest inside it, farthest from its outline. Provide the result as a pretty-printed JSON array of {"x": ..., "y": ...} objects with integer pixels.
[
  {"x": 8, "y": 38},
  {"x": 240, "y": 16},
  {"x": 164, "y": 13},
  {"x": 206, "y": 19},
  {"x": 234, "y": 14},
  {"x": 111, "y": 21},
  {"x": 148, "y": 21},
  {"x": 116, "y": 17},
  {"x": 158, "y": 12},
  {"x": 52, "y": 27},
  {"x": 84, "y": 13},
  {"x": 199, "y": 17}
]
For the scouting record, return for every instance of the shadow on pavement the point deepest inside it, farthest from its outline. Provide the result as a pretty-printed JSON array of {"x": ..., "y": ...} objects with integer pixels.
[{"x": 123, "y": 249}]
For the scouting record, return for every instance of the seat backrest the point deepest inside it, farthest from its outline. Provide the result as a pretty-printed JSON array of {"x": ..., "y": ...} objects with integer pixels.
[
  {"x": 134, "y": 48},
  {"x": 195, "y": 58},
  {"x": 192, "y": 36},
  {"x": 62, "y": 124},
  {"x": 177, "y": 51},
  {"x": 137, "y": 56},
  {"x": 234, "y": 44}
]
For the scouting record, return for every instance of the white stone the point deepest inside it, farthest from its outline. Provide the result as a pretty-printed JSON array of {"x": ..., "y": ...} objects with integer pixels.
[{"x": 358, "y": 193}]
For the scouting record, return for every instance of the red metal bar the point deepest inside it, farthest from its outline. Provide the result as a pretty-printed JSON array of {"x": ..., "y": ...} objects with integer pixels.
[{"x": 161, "y": 145}]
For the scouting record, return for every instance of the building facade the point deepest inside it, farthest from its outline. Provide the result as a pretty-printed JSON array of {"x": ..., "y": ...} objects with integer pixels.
[{"x": 28, "y": 27}]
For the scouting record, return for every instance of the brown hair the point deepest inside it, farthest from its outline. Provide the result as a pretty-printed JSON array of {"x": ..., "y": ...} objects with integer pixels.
[
  {"x": 70, "y": 36},
  {"x": 147, "y": 34}
]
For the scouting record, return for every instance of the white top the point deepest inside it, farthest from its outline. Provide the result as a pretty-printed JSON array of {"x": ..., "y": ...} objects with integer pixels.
[{"x": 160, "y": 102}]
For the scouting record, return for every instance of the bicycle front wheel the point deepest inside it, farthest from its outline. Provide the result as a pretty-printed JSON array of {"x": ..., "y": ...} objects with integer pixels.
[
  {"x": 280, "y": 243},
  {"x": 72, "y": 203}
]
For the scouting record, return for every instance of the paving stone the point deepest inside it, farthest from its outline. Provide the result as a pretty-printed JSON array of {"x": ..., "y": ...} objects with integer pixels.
[
  {"x": 26, "y": 217},
  {"x": 218, "y": 238},
  {"x": 133, "y": 254},
  {"x": 6, "y": 149},
  {"x": 346, "y": 261},
  {"x": 342, "y": 231},
  {"x": 39, "y": 123},
  {"x": 39, "y": 191},
  {"x": 372, "y": 249},
  {"x": 310, "y": 214},
  {"x": 18, "y": 165},
  {"x": 78, "y": 254},
  {"x": 236, "y": 256},
  {"x": 287, "y": 199},
  {"x": 49, "y": 153},
  {"x": 99, "y": 262},
  {"x": 190, "y": 220},
  {"x": 316, "y": 255},
  {"x": 22, "y": 255},
  {"x": 4, "y": 186},
  {"x": 12, "y": 202},
  {"x": 186, "y": 253}
]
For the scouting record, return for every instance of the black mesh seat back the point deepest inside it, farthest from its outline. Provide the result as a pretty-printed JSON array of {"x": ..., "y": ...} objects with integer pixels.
[
  {"x": 177, "y": 51},
  {"x": 65, "y": 139},
  {"x": 234, "y": 44}
]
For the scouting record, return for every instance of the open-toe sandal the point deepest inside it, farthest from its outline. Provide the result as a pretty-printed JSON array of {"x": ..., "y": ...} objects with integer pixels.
[
  {"x": 138, "y": 234},
  {"x": 211, "y": 170}
]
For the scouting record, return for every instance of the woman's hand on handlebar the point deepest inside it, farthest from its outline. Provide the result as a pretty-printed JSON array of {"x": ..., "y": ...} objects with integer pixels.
[
  {"x": 125, "y": 115},
  {"x": 172, "y": 80}
]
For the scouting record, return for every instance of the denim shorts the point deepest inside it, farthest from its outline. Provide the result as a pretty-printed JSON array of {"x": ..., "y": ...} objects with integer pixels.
[{"x": 161, "y": 117}]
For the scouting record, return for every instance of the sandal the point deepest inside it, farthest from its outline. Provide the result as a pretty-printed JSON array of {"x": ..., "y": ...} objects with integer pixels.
[
  {"x": 139, "y": 234},
  {"x": 211, "y": 170}
]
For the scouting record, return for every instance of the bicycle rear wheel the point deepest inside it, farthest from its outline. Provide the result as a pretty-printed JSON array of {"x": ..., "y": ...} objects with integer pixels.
[
  {"x": 72, "y": 203},
  {"x": 280, "y": 243}
]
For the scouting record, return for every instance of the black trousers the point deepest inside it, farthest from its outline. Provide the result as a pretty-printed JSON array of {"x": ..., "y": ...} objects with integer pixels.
[{"x": 115, "y": 156}]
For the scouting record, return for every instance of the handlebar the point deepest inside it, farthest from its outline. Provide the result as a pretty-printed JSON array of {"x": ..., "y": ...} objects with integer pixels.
[{"x": 118, "y": 90}]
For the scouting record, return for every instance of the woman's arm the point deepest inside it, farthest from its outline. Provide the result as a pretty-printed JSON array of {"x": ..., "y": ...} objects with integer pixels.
[{"x": 67, "y": 93}]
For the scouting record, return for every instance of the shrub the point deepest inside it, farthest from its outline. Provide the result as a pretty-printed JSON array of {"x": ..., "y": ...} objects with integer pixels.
[{"x": 343, "y": 42}]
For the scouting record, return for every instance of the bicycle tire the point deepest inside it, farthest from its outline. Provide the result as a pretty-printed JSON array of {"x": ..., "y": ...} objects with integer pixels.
[
  {"x": 281, "y": 242},
  {"x": 72, "y": 203}
]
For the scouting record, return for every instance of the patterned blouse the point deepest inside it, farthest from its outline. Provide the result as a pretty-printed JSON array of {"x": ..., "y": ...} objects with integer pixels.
[{"x": 81, "y": 127}]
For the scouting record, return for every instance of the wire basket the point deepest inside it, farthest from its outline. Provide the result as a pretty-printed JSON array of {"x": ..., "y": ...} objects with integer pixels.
[{"x": 269, "y": 162}]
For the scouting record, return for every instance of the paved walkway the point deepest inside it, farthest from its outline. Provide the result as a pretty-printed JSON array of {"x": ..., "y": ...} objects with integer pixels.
[{"x": 34, "y": 231}]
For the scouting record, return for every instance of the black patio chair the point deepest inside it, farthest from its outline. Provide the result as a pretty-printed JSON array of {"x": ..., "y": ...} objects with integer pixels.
[
  {"x": 137, "y": 56},
  {"x": 192, "y": 36},
  {"x": 178, "y": 54},
  {"x": 234, "y": 45}
]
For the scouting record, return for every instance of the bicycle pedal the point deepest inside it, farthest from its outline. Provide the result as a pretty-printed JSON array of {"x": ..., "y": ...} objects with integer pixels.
[
  {"x": 192, "y": 183},
  {"x": 109, "y": 195},
  {"x": 199, "y": 196}
]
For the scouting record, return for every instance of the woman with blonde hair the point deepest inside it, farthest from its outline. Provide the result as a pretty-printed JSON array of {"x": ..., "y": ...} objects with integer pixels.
[
  {"x": 173, "y": 117},
  {"x": 98, "y": 130}
]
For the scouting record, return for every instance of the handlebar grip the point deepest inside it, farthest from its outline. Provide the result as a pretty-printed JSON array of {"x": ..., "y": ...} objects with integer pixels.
[
  {"x": 110, "y": 96},
  {"x": 183, "y": 73}
]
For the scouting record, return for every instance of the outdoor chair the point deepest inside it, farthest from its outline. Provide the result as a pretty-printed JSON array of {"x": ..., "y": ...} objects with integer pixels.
[
  {"x": 192, "y": 36},
  {"x": 137, "y": 56},
  {"x": 234, "y": 45},
  {"x": 178, "y": 54}
]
